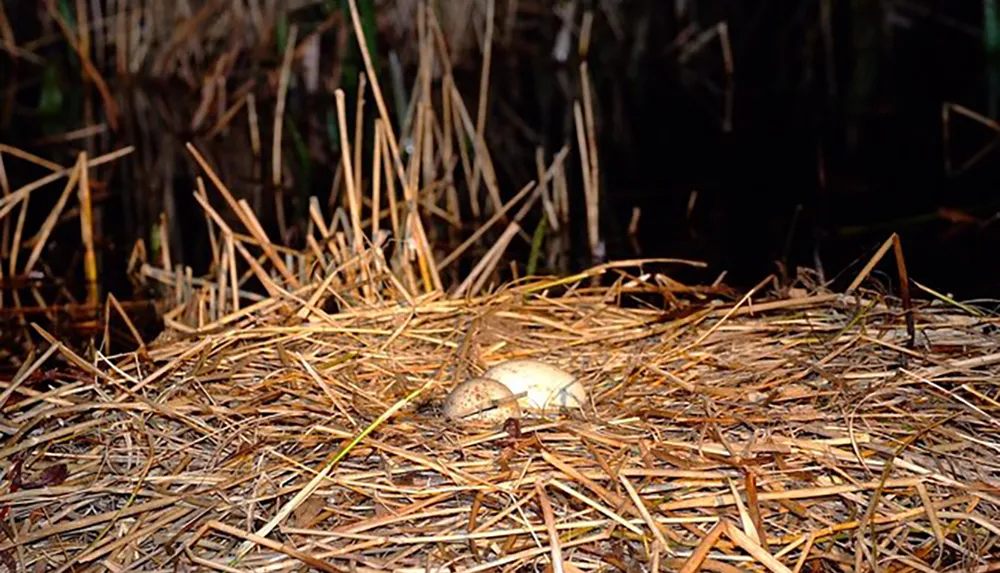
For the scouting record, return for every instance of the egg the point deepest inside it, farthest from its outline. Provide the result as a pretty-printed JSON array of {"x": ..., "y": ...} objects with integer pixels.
[
  {"x": 481, "y": 401},
  {"x": 544, "y": 386}
]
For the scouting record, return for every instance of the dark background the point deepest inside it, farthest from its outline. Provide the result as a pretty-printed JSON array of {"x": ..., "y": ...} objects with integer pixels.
[{"x": 810, "y": 174}]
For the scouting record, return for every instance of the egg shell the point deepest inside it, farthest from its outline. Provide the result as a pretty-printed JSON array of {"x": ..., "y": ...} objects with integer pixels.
[
  {"x": 481, "y": 401},
  {"x": 546, "y": 387}
]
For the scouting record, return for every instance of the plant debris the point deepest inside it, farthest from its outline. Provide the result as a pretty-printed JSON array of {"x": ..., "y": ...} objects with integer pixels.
[{"x": 778, "y": 441}]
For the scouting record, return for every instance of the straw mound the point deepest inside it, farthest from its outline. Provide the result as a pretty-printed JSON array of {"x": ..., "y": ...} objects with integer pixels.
[{"x": 774, "y": 436}]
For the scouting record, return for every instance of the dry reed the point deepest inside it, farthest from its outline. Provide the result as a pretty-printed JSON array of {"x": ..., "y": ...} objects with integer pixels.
[{"x": 763, "y": 436}]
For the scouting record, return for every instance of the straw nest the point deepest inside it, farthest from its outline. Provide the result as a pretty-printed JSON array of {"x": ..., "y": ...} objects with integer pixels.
[
  {"x": 289, "y": 417},
  {"x": 787, "y": 434}
]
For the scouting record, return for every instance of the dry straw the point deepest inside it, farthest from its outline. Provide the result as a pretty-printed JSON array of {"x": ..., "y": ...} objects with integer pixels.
[
  {"x": 778, "y": 442},
  {"x": 785, "y": 431}
]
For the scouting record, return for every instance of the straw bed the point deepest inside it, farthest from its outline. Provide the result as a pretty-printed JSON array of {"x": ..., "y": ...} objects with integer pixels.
[{"x": 770, "y": 439}]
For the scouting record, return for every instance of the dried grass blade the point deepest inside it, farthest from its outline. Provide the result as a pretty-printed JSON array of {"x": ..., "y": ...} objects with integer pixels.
[
  {"x": 550, "y": 526},
  {"x": 700, "y": 553},
  {"x": 281, "y": 547},
  {"x": 85, "y": 522},
  {"x": 23, "y": 375},
  {"x": 113, "y": 301},
  {"x": 244, "y": 214},
  {"x": 755, "y": 550},
  {"x": 867, "y": 269},
  {"x": 484, "y": 83},
  {"x": 9, "y": 201},
  {"x": 925, "y": 498},
  {"x": 310, "y": 487},
  {"x": 30, "y": 157},
  {"x": 15, "y": 248},
  {"x": 87, "y": 234},
  {"x": 804, "y": 493},
  {"x": 610, "y": 514},
  {"x": 349, "y": 178},
  {"x": 641, "y": 506},
  {"x": 50, "y": 221},
  {"x": 279, "y": 106},
  {"x": 748, "y": 523}
]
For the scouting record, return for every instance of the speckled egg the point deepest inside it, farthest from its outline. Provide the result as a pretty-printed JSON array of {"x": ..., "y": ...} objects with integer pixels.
[{"x": 481, "y": 402}]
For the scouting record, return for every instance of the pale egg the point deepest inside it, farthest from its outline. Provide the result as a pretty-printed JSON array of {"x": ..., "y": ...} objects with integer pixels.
[{"x": 544, "y": 386}]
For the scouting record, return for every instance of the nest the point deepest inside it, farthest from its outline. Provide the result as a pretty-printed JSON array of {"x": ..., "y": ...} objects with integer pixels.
[
  {"x": 289, "y": 417},
  {"x": 783, "y": 434}
]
